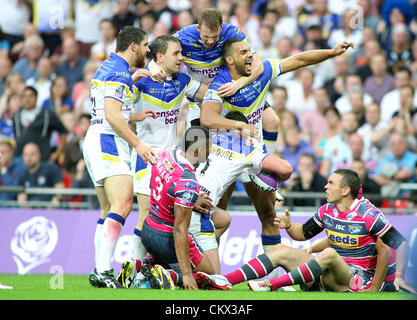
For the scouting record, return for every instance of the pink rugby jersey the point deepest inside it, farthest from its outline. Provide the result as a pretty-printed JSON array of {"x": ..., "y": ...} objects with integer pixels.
[
  {"x": 353, "y": 233},
  {"x": 173, "y": 182}
]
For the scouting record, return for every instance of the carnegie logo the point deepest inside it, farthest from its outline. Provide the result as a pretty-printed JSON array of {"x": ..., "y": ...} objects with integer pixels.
[
  {"x": 343, "y": 240},
  {"x": 33, "y": 242}
]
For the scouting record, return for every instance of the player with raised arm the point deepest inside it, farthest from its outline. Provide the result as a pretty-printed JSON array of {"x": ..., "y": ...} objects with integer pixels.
[
  {"x": 352, "y": 227},
  {"x": 160, "y": 131},
  {"x": 106, "y": 146},
  {"x": 250, "y": 100}
]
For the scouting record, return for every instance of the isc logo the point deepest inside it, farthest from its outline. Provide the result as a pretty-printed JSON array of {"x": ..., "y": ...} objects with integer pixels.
[{"x": 342, "y": 240}]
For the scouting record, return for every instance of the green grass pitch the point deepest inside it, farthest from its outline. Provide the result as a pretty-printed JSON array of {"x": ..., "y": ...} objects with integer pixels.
[{"x": 76, "y": 287}]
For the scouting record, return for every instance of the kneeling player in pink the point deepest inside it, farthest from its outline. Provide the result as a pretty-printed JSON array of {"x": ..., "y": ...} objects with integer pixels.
[
  {"x": 352, "y": 226},
  {"x": 174, "y": 191}
]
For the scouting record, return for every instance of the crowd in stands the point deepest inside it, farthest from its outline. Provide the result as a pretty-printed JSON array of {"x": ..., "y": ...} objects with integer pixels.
[{"x": 355, "y": 111}]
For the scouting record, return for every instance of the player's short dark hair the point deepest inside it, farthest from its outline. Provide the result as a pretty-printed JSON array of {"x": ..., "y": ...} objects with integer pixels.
[
  {"x": 34, "y": 91},
  {"x": 211, "y": 17},
  {"x": 194, "y": 134},
  {"x": 161, "y": 43},
  {"x": 236, "y": 115},
  {"x": 350, "y": 179},
  {"x": 227, "y": 45},
  {"x": 127, "y": 35}
]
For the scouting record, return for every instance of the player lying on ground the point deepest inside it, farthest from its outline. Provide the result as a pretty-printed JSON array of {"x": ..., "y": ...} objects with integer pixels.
[{"x": 352, "y": 227}]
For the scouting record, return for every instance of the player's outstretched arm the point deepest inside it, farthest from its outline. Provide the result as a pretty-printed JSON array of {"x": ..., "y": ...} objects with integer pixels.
[
  {"x": 310, "y": 57},
  {"x": 182, "y": 246},
  {"x": 230, "y": 88}
]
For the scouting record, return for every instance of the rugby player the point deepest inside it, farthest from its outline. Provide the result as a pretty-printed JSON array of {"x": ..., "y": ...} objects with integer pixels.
[
  {"x": 352, "y": 226},
  {"x": 201, "y": 48},
  {"x": 106, "y": 146},
  {"x": 250, "y": 100},
  {"x": 160, "y": 131},
  {"x": 174, "y": 191}
]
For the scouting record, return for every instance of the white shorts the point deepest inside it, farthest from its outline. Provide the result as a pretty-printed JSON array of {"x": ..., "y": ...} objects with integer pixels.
[
  {"x": 105, "y": 155},
  {"x": 141, "y": 173},
  {"x": 202, "y": 228}
]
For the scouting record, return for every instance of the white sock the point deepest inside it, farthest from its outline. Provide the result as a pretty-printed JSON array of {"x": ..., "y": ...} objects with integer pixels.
[
  {"x": 97, "y": 236},
  {"x": 109, "y": 236},
  {"x": 139, "y": 251}
]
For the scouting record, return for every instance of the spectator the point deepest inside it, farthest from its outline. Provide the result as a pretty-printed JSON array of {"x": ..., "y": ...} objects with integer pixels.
[
  {"x": 81, "y": 94},
  {"x": 14, "y": 85},
  {"x": 370, "y": 19},
  {"x": 5, "y": 69},
  {"x": 285, "y": 49},
  {"x": 396, "y": 168},
  {"x": 337, "y": 153},
  {"x": 73, "y": 151},
  {"x": 14, "y": 17},
  {"x": 72, "y": 66},
  {"x": 147, "y": 23},
  {"x": 329, "y": 21},
  {"x": 357, "y": 106},
  {"x": 88, "y": 15},
  {"x": 369, "y": 186},
  {"x": 102, "y": 49},
  {"x": 278, "y": 99},
  {"x": 14, "y": 103},
  {"x": 407, "y": 110},
  {"x": 123, "y": 16},
  {"x": 34, "y": 125},
  {"x": 400, "y": 54},
  {"x": 314, "y": 123},
  {"x": 332, "y": 116},
  {"x": 356, "y": 146},
  {"x": 164, "y": 14},
  {"x": 335, "y": 85},
  {"x": 10, "y": 168},
  {"x": 381, "y": 81},
  {"x": 353, "y": 81},
  {"x": 370, "y": 48},
  {"x": 287, "y": 120},
  {"x": 243, "y": 19},
  {"x": 17, "y": 51},
  {"x": 43, "y": 80},
  {"x": 82, "y": 180},
  {"x": 185, "y": 18},
  {"x": 313, "y": 33},
  {"x": 38, "y": 174},
  {"x": 27, "y": 65},
  {"x": 349, "y": 31},
  {"x": 306, "y": 179},
  {"x": 391, "y": 101},
  {"x": 60, "y": 100},
  {"x": 294, "y": 146},
  {"x": 300, "y": 92},
  {"x": 286, "y": 25},
  {"x": 368, "y": 129},
  {"x": 264, "y": 46}
]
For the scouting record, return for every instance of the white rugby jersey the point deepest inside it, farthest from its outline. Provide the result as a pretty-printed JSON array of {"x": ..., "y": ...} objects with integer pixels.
[
  {"x": 112, "y": 80},
  {"x": 228, "y": 158},
  {"x": 165, "y": 99},
  {"x": 249, "y": 100}
]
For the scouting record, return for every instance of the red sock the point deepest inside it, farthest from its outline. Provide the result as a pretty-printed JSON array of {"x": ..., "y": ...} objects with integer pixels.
[
  {"x": 173, "y": 275},
  {"x": 254, "y": 269},
  {"x": 138, "y": 264}
]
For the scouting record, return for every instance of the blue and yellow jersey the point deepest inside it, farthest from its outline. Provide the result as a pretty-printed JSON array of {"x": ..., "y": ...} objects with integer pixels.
[
  {"x": 249, "y": 100},
  {"x": 112, "y": 80},
  {"x": 201, "y": 63},
  {"x": 228, "y": 158},
  {"x": 165, "y": 99}
]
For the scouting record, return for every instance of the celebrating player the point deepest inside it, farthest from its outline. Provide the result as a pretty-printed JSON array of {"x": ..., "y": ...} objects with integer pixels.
[
  {"x": 352, "y": 227},
  {"x": 159, "y": 131},
  {"x": 106, "y": 146},
  {"x": 250, "y": 101}
]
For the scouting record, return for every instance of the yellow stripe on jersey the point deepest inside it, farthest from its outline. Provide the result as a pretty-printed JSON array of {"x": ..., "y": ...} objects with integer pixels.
[
  {"x": 110, "y": 157},
  {"x": 248, "y": 110},
  {"x": 207, "y": 233},
  {"x": 250, "y": 156},
  {"x": 162, "y": 104},
  {"x": 202, "y": 64},
  {"x": 140, "y": 173},
  {"x": 103, "y": 84}
]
